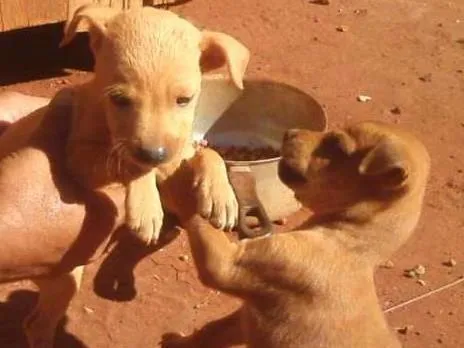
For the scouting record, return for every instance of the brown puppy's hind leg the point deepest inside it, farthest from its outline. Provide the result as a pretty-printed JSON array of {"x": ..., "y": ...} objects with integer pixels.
[
  {"x": 55, "y": 294},
  {"x": 222, "y": 333}
]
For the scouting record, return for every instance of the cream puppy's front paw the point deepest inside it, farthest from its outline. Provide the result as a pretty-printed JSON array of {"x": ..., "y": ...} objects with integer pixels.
[
  {"x": 215, "y": 196},
  {"x": 144, "y": 212}
]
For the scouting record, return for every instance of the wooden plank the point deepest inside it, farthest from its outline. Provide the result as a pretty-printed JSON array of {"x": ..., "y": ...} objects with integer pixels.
[
  {"x": 15, "y": 14},
  {"x": 1, "y": 17},
  {"x": 46, "y": 11},
  {"x": 122, "y": 4},
  {"x": 24, "y": 13}
]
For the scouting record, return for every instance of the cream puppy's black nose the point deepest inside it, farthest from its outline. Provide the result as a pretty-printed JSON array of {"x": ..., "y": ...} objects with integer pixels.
[{"x": 152, "y": 156}]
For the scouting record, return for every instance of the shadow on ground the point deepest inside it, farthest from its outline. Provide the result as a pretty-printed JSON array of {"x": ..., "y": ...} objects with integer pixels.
[
  {"x": 34, "y": 54},
  {"x": 12, "y": 313}
]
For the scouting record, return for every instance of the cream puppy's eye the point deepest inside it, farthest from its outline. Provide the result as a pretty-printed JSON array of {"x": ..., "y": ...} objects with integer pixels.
[
  {"x": 183, "y": 101},
  {"x": 120, "y": 100}
]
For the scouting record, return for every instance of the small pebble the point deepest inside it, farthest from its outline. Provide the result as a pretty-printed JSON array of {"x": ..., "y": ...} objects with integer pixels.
[
  {"x": 184, "y": 258},
  {"x": 415, "y": 272},
  {"x": 419, "y": 269},
  {"x": 420, "y": 282},
  {"x": 450, "y": 263},
  {"x": 361, "y": 11},
  {"x": 426, "y": 78},
  {"x": 88, "y": 310},
  {"x": 405, "y": 329},
  {"x": 410, "y": 273},
  {"x": 321, "y": 2},
  {"x": 364, "y": 98},
  {"x": 282, "y": 221},
  {"x": 388, "y": 264},
  {"x": 396, "y": 110},
  {"x": 342, "y": 28}
]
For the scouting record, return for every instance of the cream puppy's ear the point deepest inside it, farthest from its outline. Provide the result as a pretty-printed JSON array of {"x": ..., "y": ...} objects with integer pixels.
[
  {"x": 91, "y": 18},
  {"x": 219, "y": 49}
]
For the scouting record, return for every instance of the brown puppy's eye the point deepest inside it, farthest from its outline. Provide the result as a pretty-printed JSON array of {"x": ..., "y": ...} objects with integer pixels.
[
  {"x": 120, "y": 100},
  {"x": 183, "y": 101}
]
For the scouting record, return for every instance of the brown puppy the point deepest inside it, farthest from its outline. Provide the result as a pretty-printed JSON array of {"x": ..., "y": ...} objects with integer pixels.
[
  {"x": 314, "y": 287},
  {"x": 133, "y": 121}
]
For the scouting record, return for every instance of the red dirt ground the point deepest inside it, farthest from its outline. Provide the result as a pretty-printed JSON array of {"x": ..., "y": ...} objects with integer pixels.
[{"x": 405, "y": 54}]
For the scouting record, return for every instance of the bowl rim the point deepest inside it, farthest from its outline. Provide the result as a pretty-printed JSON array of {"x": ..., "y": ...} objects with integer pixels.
[{"x": 266, "y": 80}]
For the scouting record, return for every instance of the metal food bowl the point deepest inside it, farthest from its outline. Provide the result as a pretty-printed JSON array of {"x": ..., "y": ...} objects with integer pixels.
[{"x": 256, "y": 116}]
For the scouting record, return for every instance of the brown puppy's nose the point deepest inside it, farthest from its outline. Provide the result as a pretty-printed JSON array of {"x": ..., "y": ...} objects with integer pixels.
[{"x": 153, "y": 156}]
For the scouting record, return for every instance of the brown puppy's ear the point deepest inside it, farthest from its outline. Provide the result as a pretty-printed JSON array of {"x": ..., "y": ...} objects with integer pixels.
[
  {"x": 91, "y": 18},
  {"x": 219, "y": 49},
  {"x": 388, "y": 163},
  {"x": 336, "y": 143}
]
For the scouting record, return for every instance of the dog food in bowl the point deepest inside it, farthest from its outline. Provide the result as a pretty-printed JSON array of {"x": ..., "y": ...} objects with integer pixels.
[{"x": 242, "y": 153}]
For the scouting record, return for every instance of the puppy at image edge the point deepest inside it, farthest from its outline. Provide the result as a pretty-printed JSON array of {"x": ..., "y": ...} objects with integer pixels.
[{"x": 314, "y": 287}]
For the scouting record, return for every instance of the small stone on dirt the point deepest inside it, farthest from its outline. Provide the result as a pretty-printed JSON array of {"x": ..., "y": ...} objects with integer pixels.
[
  {"x": 364, "y": 98},
  {"x": 450, "y": 263},
  {"x": 88, "y": 310},
  {"x": 281, "y": 221},
  {"x": 421, "y": 282},
  {"x": 184, "y": 258},
  {"x": 360, "y": 11},
  {"x": 426, "y": 78},
  {"x": 419, "y": 269},
  {"x": 342, "y": 28},
  {"x": 396, "y": 110},
  {"x": 321, "y": 2},
  {"x": 405, "y": 329},
  {"x": 415, "y": 272},
  {"x": 388, "y": 264},
  {"x": 410, "y": 273}
]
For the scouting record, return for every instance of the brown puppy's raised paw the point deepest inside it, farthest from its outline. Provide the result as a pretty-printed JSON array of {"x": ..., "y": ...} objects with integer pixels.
[{"x": 144, "y": 212}]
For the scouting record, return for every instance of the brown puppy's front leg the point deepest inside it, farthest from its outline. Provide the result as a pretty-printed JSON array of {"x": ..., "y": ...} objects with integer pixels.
[
  {"x": 220, "y": 333},
  {"x": 144, "y": 213}
]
